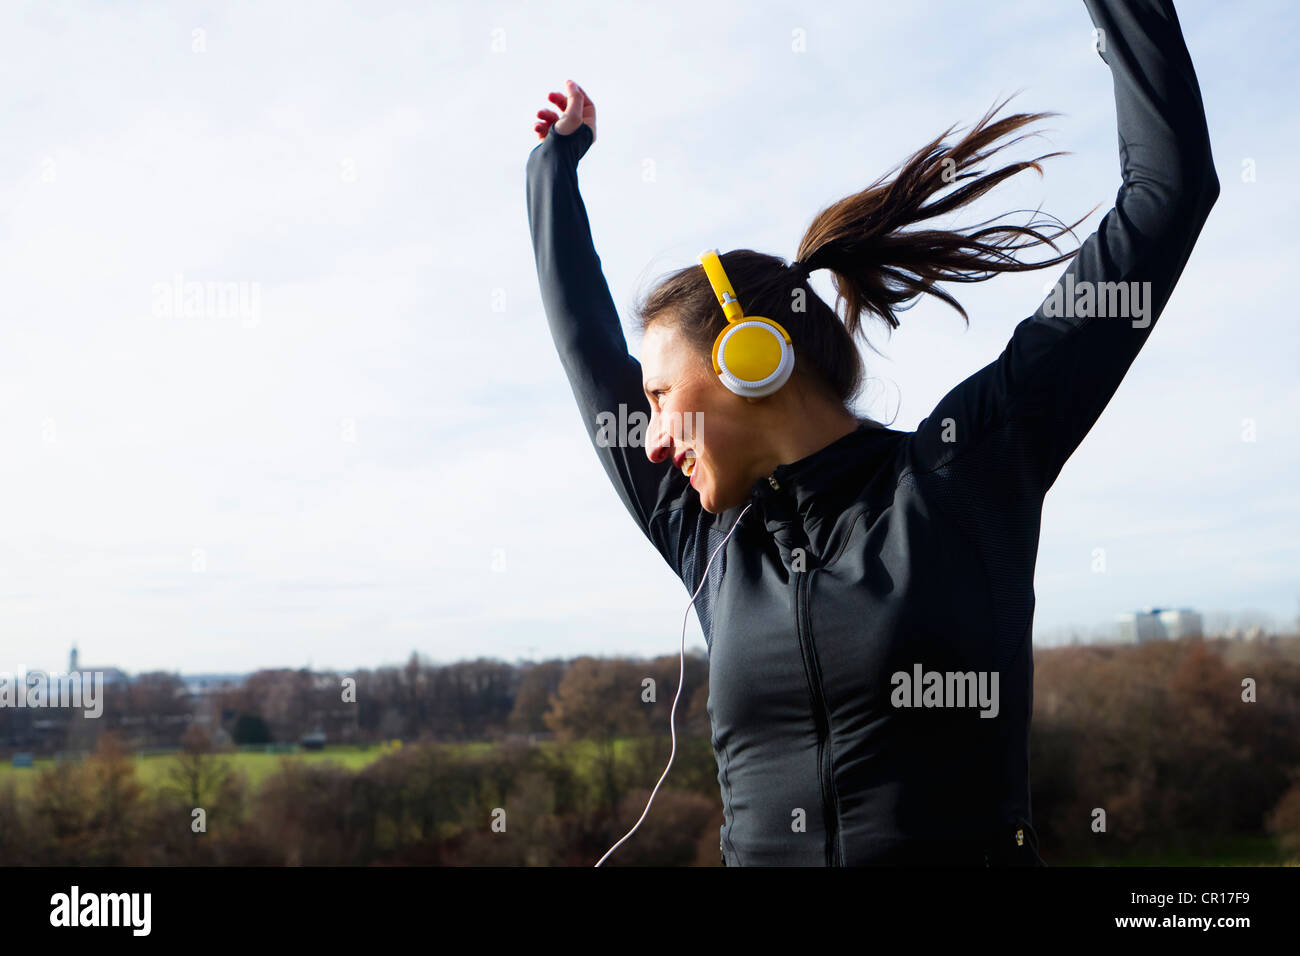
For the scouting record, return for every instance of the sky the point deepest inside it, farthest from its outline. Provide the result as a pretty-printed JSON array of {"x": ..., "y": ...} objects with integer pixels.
[{"x": 371, "y": 449}]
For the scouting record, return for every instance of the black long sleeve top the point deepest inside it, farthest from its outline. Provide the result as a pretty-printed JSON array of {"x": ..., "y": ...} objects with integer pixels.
[{"x": 890, "y": 552}]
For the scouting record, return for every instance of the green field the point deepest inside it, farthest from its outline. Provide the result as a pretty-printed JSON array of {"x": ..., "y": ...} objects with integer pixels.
[{"x": 151, "y": 770}]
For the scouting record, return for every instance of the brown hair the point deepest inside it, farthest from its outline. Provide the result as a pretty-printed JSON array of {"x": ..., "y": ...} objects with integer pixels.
[{"x": 875, "y": 265}]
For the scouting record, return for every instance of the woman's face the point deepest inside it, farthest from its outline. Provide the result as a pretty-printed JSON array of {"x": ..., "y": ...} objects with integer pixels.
[{"x": 693, "y": 414}]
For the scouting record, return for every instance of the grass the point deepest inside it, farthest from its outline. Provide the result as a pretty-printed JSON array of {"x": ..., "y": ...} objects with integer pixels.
[{"x": 152, "y": 770}]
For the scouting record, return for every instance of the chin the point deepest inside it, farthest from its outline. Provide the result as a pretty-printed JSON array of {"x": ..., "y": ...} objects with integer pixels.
[
  {"x": 712, "y": 504},
  {"x": 706, "y": 499}
]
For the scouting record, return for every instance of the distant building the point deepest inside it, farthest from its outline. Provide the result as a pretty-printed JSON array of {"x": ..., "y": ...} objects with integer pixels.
[
  {"x": 205, "y": 693},
  {"x": 1159, "y": 624},
  {"x": 1253, "y": 633},
  {"x": 201, "y": 684},
  {"x": 112, "y": 675}
]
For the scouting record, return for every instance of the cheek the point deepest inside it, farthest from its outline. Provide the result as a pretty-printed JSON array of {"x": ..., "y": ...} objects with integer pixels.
[
  {"x": 694, "y": 413},
  {"x": 718, "y": 435},
  {"x": 718, "y": 438}
]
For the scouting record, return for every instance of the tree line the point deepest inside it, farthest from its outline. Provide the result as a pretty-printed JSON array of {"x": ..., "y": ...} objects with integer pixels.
[{"x": 1174, "y": 749}]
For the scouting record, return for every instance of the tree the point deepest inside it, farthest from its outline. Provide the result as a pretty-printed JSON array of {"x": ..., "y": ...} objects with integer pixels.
[
  {"x": 599, "y": 700},
  {"x": 198, "y": 773},
  {"x": 538, "y": 683},
  {"x": 115, "y": 818}
]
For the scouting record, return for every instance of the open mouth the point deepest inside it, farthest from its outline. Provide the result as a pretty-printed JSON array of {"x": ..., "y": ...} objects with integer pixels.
[{"x": 688, "y": 463}]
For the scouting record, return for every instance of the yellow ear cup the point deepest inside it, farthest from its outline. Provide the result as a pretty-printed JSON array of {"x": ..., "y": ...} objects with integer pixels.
[
  {"x": 753, "y": 356},
  {"x": 751, "y": 351}
]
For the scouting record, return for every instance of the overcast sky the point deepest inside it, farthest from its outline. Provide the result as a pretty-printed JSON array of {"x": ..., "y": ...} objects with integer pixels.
[{"x": 378, "y": 451}]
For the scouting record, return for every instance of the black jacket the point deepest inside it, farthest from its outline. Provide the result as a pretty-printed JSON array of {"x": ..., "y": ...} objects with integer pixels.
[{"x": 889, "y": 549}]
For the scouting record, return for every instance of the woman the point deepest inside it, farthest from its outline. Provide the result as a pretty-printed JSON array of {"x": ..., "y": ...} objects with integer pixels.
[{"x": 869, "y": 618}]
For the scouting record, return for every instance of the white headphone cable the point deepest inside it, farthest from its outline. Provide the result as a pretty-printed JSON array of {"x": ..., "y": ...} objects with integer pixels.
[{"x": 681, "y": 679}]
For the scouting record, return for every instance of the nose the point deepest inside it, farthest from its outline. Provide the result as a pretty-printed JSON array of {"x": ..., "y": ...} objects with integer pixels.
[{"x": 658, "y": 443}]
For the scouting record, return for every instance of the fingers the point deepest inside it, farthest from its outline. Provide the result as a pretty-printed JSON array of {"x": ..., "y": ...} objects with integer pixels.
[
  {"x": 562, "y": 101},
  {"x": 575, "y": 91},
  {"x": 574, "y": 104},
  {"x": 545, "y": 120},
  {"x": 575, "y": 99}
]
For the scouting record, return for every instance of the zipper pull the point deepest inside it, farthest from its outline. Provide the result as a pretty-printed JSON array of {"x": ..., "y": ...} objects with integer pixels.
[
  {"x": 1020, "y": 836},
  {"x": 772, "y": 481}
]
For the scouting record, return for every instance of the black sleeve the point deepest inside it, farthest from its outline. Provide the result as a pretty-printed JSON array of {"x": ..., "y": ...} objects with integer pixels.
[
  {"x": 605, "y": 378},
  {"x": 1063, "y": 363}
]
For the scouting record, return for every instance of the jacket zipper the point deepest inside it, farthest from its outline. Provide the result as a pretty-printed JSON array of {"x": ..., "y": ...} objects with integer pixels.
[
  {"x": 830, "y": 801},
  {"x": 812, "y": 672}
]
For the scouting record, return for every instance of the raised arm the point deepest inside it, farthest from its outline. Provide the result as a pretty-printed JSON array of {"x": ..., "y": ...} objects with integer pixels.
[
  {"x": 1064, "y": 362},
  {"x": 605, "y": 379}
]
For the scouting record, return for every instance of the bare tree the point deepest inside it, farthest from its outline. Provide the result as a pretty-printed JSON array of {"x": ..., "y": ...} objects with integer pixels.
[
  {"x": 599, "y": 700},
  {"x": 198, "y": 773}
]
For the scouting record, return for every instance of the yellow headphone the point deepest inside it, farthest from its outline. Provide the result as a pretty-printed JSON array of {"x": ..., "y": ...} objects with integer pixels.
[{"x": 753, "y": 355}]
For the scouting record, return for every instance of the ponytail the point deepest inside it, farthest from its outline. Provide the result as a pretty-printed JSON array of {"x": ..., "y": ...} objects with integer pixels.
[{"x": 877, "y": 262}]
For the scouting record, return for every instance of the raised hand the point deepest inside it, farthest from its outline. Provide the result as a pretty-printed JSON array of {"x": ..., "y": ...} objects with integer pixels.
[{"x": 578, "y": 109}]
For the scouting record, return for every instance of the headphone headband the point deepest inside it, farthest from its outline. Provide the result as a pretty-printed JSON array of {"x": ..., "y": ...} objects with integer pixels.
[
  {"x": 752, "y": 355},
  {"x": 721, "y": 285}
]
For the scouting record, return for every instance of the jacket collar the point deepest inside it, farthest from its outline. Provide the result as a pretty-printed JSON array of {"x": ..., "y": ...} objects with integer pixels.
[{"x": 845, "y": 463}]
